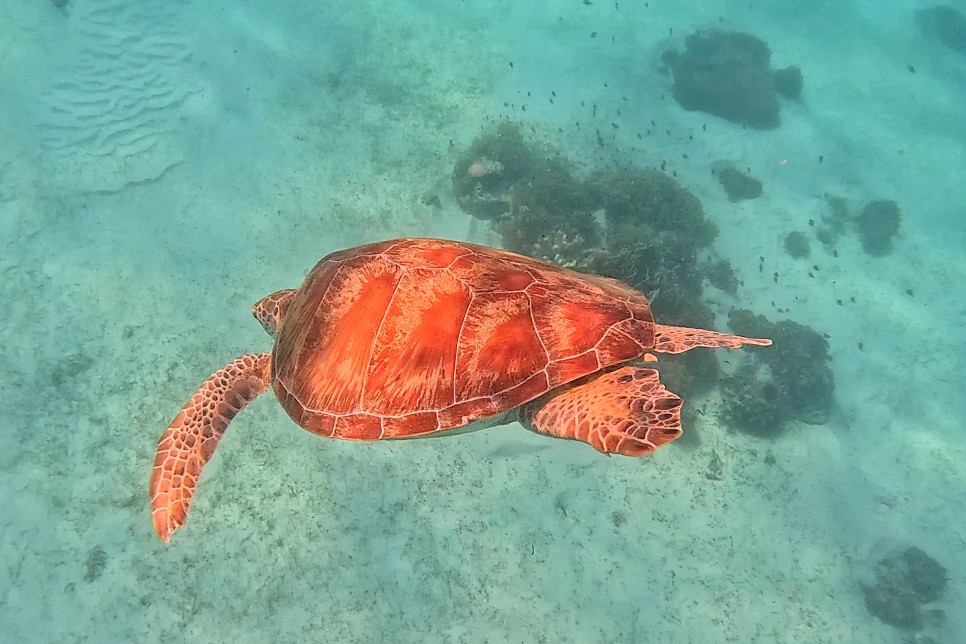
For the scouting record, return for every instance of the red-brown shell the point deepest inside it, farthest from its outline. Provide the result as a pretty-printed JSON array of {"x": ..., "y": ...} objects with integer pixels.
[{"x": 412, "y": 336}]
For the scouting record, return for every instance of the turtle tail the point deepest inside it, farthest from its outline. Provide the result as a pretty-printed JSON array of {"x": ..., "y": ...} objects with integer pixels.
[{"x": 190, "y": 440}]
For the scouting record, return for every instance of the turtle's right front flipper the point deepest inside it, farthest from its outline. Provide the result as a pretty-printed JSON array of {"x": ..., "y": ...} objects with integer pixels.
[
  {"x": 625, "y": 411},
  {"x": 191, "y": 438}
]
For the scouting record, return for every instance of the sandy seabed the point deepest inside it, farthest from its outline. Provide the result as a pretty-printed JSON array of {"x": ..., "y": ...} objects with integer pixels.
[{"x": 241, "y": 143}]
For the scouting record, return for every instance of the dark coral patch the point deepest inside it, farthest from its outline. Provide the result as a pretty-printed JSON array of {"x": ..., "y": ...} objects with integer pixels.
[
  {"x": 789, "y": 382},
  {"x": 877, "y": 224},
  {"x": 728, "y": 74}
]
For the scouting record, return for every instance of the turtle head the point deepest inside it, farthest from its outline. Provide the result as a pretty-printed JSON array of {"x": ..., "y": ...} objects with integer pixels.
[{"x": 270, "y": 310}]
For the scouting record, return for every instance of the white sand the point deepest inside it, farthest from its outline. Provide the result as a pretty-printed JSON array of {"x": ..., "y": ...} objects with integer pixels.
[{"x": 275, "y": 135}]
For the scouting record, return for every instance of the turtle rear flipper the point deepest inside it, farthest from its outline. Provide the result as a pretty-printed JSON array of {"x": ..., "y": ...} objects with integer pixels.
[
  {"x": 626, "y": 411},
  {"x": 190, "y": 440}
]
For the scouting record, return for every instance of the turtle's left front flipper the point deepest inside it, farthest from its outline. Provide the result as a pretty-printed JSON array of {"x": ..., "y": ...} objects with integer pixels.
[
  {"x": 190, "y": 440},
  {"x": 625, "y": 411}
]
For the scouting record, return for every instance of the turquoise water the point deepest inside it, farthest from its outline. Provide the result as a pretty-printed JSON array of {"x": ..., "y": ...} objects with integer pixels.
[{"x": 163, "y": 165}]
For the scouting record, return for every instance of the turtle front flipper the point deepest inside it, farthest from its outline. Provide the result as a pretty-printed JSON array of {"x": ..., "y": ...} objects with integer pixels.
[
  {"x": 626, "y": 411},
  {"x": 191, "y": 438}
]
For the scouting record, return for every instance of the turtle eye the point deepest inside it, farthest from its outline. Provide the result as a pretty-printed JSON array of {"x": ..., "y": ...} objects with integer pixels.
[{"x": 269, "y": 327}]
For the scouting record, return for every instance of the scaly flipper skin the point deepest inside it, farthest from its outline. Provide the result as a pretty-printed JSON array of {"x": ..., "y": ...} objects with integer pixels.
[
  {"x": 678, "y": 339},
  {"x": 626, "y": 411},
  {"x": 193, "y": 435}
]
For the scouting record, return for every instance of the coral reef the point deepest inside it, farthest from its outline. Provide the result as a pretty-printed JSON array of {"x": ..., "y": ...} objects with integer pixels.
[
  {"x": 722, "y": 275},
  {"x": 690, "y": 374},
  {"x": 728, "y": 74},
  {"x": 835, "y": 221},
  {"x": 665, "y": 267},
  {"x": 556, "y": 247},
  {"x": 876, "y": 225},
  {"x": 527, "y": 195},
  {"x": 944, "y": 24},
  {"x": 789, "y": 82},
  {"x": 792, "y": 382},
  {"x": 641, "y": 202},
  {"x": 655, "y": 228},
  {"x": 635, "y": 224},
  {"x": 751, "y": 400},
  {"x": 549, "y": 199},
  {"x": 797, "y": 244},
  {"x": 738, "y": 185},
  {"x": 905, "y": 579},
  {"x": 493, "y": 164}
]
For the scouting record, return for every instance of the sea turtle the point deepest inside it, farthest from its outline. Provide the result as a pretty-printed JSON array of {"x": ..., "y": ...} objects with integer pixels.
[{"x": 414, "y": 336}]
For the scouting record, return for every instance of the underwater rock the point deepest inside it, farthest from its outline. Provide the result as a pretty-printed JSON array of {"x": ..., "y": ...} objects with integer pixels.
[
  {"x": 728, "y": 74},
  {"x": 876, "y": 225},
  {"x": 738, "y": 185},
  {"x": 904, "y": 580},
  {"x": 945, "y": 24}
]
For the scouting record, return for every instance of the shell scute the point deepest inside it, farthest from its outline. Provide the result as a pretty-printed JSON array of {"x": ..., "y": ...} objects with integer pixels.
[
  {"x": 413, "y": 361},
  {"x": 499, "y": 347}
]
